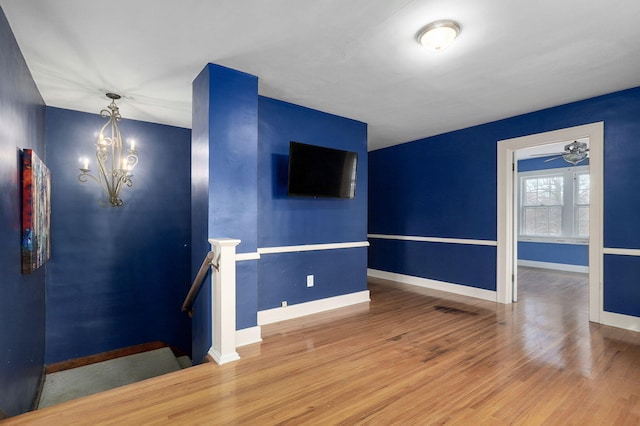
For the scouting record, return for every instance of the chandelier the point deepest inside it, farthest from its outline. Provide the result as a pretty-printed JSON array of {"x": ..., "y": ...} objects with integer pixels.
[{"x": 114, "y": 165}]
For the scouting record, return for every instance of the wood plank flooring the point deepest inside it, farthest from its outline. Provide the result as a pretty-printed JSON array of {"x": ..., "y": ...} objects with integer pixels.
[{"x": 413, "y": 356}]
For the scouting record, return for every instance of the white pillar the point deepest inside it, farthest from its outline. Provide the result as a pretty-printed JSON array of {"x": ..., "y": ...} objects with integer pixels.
[{"x": 223, "y": 300}]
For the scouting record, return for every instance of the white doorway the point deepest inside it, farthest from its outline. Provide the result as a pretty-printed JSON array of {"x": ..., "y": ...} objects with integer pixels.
[{"x": 506, "y": 259}]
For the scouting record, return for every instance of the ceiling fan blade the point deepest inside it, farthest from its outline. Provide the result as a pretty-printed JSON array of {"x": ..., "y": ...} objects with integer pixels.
[
  {"x": 551, "y": 159},
  {"x": 546, "y": 155}
]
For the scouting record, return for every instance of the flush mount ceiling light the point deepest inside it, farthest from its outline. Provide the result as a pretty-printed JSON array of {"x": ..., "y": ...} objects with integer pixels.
[{"x": 438, "y": 35}]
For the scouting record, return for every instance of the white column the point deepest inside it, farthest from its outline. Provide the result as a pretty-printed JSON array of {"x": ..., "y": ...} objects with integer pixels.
[{"x": 223, "y": 301}]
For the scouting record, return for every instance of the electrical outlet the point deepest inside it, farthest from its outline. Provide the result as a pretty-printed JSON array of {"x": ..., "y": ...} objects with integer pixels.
[
  {"x": 309, "y": 280},
  {"x": 284, "y": 303}
]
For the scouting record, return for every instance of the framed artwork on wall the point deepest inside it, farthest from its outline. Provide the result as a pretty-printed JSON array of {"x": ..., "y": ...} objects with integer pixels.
[{"x": 36, "y": 212}]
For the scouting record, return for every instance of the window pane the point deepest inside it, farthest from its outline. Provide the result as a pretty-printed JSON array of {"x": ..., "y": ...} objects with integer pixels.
[
  {"x": 555, "y": 221},
  {"x": 550, "y": 191},
  {"x": 531, "y": 199},
  {"x": 545, "y": 191},
  {"x": 584, "y": 186},
  {"x": 542, "y": 221},
  {"x": 530, "y": 190},
  {"x": 583, "y": 221},
  {"x": 529, "y": 221}
]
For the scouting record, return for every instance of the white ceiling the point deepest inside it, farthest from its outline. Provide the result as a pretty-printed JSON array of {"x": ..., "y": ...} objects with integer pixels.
[{"x": 355, "y": 58}]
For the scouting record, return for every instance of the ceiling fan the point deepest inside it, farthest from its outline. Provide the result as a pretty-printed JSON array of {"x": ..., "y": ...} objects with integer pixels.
[{"x": 573, "y": 153}]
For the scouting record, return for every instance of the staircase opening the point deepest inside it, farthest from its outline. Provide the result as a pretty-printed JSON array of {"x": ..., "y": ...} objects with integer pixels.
[{"x": 86, "y": 376}]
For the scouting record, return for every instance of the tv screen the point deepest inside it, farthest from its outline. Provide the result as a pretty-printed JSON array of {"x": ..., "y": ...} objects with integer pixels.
[{"x": 316, "y": 171}]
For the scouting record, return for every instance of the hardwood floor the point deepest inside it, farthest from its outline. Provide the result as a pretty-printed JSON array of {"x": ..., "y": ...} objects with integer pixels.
[{"x": 413, "y": 356}]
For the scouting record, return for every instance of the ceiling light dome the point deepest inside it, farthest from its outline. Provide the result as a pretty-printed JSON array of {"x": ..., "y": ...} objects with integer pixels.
[{"x": 438, "y": 35}]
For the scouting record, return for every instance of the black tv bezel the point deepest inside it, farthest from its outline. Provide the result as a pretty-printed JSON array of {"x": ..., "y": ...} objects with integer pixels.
[{"x": 308, "y": 194}]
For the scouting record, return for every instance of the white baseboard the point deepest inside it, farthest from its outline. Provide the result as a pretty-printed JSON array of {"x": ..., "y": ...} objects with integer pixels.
[
  {"x": 269, "y": 316},
  {"x": 248, "y": 336},
  {"x": 554, "y": 266},
  {"x": 223, "y": 359},
  {"x": 478, "y": 293},
  {"x": 627, "y": 322}
]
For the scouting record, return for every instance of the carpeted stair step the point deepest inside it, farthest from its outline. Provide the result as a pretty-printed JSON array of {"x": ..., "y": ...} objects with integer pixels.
[{"x": 89, "y": 379}]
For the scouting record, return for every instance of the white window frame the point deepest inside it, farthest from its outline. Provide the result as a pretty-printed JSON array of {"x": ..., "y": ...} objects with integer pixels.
[
  {"x": 569, "y": 211},
  {"x": 576, "y": 205}
]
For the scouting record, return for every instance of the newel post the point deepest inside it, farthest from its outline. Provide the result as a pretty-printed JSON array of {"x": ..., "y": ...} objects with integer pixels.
[{"x": 223, "y": 300}]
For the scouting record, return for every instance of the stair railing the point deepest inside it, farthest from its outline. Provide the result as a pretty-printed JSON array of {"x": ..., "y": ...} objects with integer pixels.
[
  {"x": 222, "y": 258},
  {"x": 208, "y": 261}
]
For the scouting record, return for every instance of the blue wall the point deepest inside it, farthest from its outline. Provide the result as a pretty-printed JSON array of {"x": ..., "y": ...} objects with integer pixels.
[
  {"x": 201, "y": 323},
  {"x": 117, "y": 276},
  {"x": 240, "y": 192},
  {"x": 568, "y": 254},
  {"x": 225, "y": 150},
  {"x": 22, "y": 305},
  {"x": 445, "y": 186},
  {"x": 286, "y": 221},
  {"x": 229, "y": 176}
]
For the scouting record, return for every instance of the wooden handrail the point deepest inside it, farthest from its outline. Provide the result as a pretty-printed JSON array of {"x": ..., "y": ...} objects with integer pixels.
[{"x": 187, "y": 306}]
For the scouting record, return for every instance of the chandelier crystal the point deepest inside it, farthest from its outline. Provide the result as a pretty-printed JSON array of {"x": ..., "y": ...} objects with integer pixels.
[{"x": 114, "y": 164}]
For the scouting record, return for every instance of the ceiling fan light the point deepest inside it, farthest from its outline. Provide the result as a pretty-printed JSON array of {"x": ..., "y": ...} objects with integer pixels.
[
  {"x": 574, "y": 157},
  {"x": 438, "y": 35}
]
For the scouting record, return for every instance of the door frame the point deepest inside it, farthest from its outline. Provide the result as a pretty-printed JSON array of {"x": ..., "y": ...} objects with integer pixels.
[{"x": 506, "y": 235}]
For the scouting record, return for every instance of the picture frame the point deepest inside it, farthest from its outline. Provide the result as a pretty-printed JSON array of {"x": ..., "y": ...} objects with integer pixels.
[{"x": 36, "y": 212}]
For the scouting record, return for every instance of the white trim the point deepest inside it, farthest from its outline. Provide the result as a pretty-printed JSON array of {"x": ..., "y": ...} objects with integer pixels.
[
  {"x": 621, "y": 251},
  {"x": 463, "y": 290},
  {"x": 223, "y": 301},
  {"x": 248, "y": 336},
  {"x": 506, "y": 148},
  {"x": 312, "y": 247},
  {"x": 555, "y": 266},
  {"x": 554, "y": 240},
  {"x": 434, "y": 239},
  {"x": 627, "y": 322},
  {"x": 220, "y": 358},
  {"x": 247, "y": 256},
  {"x": 269, "y": 316},
  {"x": 224, "y": 242}
]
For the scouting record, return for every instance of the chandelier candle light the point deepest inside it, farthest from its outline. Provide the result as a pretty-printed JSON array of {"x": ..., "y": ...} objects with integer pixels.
[{"x": 114, "y": 166}]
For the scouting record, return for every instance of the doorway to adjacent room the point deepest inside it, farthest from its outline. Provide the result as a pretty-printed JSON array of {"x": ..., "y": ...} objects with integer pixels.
[{"x": 506, "y": 285}]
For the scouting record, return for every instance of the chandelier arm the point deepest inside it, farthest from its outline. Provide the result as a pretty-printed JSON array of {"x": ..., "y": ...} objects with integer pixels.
[
  {"x": 105, "y": 113},
  {"x": 102, "y": 140},
  {"x": 131, "y": 160},
  {"x": 115, "y": 196},
  {"x": 83, "y": 177},
  {"x": 101, "y": 156},
  {"x": 119, "y": 181},
  {"x": 109, "y": 180}
]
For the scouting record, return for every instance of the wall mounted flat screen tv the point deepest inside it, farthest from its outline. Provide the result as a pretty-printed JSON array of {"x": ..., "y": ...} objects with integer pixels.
[{"x": 316, "y": 171}]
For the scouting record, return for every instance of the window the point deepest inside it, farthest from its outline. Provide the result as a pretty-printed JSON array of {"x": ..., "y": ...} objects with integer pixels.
[
  {"x": 554, "y": 204},
  {"x": 583, "y": 186},
  {"x": 542, "y": 205}
]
